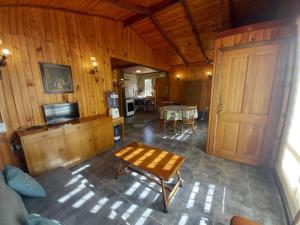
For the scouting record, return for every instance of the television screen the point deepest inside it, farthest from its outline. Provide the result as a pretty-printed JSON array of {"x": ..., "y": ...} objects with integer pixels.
[{"x": 55, "y": 113}]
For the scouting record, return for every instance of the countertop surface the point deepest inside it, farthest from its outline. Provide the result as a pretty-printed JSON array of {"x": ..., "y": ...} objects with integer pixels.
[{"x": 37, "y": 129}]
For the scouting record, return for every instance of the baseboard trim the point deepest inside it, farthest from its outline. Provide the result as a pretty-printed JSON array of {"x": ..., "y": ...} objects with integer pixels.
[{"x": 286, "y": 207}]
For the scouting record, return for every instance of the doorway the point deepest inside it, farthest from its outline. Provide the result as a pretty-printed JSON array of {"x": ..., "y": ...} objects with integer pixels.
[{"x": 141, "y": 91}]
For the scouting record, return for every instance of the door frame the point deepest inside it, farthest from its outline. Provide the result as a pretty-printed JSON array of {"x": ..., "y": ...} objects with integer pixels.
[{"x": 275, "y": 103}]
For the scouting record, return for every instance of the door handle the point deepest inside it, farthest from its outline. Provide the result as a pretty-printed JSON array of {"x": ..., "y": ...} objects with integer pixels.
[
  {"x": 220, "y": 109},
  {"x": 220, "y": 106}
]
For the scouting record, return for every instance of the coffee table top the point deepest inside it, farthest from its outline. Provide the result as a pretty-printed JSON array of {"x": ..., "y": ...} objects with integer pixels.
[{"x": 153, "y": 160}]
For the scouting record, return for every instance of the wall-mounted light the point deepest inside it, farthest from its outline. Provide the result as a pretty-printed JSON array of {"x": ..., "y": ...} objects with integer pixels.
[
  {"x": 177, "y": 76},
  {"x": 209, "y": 73},
  {"x": 94, "y": 68},
  {"x": 4, "y": 56}
]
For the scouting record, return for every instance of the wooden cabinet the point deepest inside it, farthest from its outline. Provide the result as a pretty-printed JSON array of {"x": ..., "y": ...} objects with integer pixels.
[
  {"x": 66, "y": 145},
  {"x": 39, "y": 155}
]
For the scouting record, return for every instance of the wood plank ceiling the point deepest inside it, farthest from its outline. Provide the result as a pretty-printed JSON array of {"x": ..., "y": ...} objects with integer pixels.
[{"x": 180, "y": 31}]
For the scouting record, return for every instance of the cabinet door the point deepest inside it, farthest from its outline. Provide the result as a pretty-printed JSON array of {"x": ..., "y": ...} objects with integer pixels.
[
  {"x": 87, "y": 143},
  {"x": 73, "y": 146},
  {"x": 45, "y": 151},
  {"x": 103, "y": 136}
]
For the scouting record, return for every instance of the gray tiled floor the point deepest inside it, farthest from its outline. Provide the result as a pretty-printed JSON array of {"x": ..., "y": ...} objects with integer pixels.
[{"x": 214, "y": 189}]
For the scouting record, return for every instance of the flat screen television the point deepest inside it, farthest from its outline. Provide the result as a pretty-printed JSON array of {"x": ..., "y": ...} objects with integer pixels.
[{"x": 56, "y": 113}]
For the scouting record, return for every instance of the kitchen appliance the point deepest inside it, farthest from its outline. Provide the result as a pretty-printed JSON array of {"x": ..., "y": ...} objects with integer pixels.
[{"x": 130, "y": 107}]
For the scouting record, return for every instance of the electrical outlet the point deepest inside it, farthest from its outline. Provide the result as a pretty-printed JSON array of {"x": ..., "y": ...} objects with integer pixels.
[{"x": 3, "y": 128}]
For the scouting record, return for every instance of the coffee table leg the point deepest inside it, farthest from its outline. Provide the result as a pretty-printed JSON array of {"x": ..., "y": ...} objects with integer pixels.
[
  {"x": 179, "y": 178},
  {"x": 164, "y": 195},
  {"x": 118, "y": 170}
]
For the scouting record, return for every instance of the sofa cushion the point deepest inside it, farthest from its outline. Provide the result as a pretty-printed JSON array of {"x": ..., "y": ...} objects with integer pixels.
[
  {"x": 12, "y": 209},
  {"x": 60, "y": 197},
  {"x": 35, "y": 219},
  {"x": 238, "y": 220},
  {"x": 23, "y": 183}
]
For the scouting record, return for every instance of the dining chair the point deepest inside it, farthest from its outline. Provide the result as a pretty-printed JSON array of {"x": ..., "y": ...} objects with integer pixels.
[
  {"x": 188, "y": 117},
  {"x": 164, "y": 121}
]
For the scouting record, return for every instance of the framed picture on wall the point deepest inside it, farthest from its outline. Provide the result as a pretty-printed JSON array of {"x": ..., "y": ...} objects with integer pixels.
[{"x": 56, "y": 78}]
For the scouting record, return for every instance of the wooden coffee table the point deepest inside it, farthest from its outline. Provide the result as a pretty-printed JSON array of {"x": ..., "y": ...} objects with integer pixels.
[{"x": 154, "y": 163}]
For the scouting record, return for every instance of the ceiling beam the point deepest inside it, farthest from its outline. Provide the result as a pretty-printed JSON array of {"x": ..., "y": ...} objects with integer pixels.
[
  {"x": 231, "y": 13},
  {"x": 167, "y": 38},
  {"x": 130, "y": 6},
  {"x": 152, "y": 10},
  {"x": 191, "y": 21},
  {"x": 221, "y": 15}
]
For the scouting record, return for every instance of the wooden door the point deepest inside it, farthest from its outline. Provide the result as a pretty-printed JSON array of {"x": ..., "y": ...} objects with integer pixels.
[
  {"x": 245, "y": 95},
  {"x": 161, "y": 90}
]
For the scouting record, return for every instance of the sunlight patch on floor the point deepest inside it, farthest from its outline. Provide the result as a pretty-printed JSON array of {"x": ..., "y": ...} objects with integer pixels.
[
  {"x": 129, "y": 212},
  {"x": 195, "y": 190},
  {"x": 74, "y": 180},
  {"x": 100, "y": 204},
  {"x": 114, "y": 207},
  {"x": 133, "y": 188},
  {"x": 209, "y": 198},
  {"x": 81, "y": 169},
  {"x": 183, "y": 219},
  {"x": 70, "y": 194},
  {"x": 144, "y": 217},
  {"x": 83, "y": 200}
]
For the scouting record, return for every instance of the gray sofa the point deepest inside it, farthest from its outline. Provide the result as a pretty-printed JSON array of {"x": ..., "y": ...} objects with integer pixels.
[
  {"x": 69, "y": 201},
  {"x": 12, "y": 209}
]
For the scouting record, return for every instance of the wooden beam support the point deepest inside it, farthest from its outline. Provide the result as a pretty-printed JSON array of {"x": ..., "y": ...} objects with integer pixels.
[
  {"x": 189, "y": 16},
  {"x": 167, "y": 38},
  {"x": 129, "y": 6},
  {"x": 153, "y": 9}
]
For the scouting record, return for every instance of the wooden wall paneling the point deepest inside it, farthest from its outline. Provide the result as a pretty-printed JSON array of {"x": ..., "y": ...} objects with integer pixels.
[
  {"x": 29, "y": 81},
  {"x": 22, "y": 81},
  {"x": 14, "y": 83},
  {"x": 191, "y": 72},
  {"x": 270, "y": 145},
  {"x": 36, "y": 35},
  {"x": 35, "y": 55}
]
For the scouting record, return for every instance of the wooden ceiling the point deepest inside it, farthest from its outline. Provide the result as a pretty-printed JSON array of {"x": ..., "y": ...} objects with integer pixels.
[{"x": 180, "y": 31}]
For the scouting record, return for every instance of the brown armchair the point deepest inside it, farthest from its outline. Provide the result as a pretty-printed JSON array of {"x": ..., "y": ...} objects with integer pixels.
[{"x": 238, "y": 220}]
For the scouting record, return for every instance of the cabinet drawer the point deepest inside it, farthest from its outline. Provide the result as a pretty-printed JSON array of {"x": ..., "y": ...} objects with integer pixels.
[
  {"x": 43, "y": 135},
  {"x": 102, "y": 121},
  {"x": 77, "y": 127}
]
